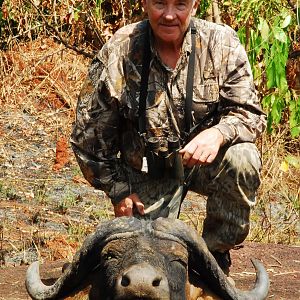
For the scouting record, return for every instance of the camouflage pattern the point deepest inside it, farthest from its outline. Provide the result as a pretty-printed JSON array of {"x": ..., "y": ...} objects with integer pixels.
[
  {"x": 105, "y": 137},
  {"x": 230, "y": 184}
]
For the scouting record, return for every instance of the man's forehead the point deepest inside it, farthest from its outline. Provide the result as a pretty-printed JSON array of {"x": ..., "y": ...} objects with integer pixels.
[
  {"x": 184, "y": 1},
  {"x": 189, "y": 3}
]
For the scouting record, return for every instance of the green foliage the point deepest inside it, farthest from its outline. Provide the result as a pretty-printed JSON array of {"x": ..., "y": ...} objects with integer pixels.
[
  {"x": 294, "y": 107},
  {"x": 203, "y": 7},
  {"x": 270, "y": 25}
]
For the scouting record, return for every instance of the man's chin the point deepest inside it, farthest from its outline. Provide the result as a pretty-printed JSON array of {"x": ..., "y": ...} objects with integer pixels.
[{"x": 169, "y": 37}]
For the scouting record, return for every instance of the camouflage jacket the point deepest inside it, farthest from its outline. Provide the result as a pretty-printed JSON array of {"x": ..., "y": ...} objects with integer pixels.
[{"x": 105, "y": 139}]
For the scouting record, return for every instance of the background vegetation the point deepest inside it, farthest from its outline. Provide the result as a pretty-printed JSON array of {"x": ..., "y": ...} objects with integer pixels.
[
  {"x": 45, "y": 48},
  {"x": 269, "y": 30}
]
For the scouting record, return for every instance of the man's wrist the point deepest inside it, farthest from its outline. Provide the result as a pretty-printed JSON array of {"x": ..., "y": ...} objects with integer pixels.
[
  {"x": 226, "y": 132},
  {"x": 220, "y": 137}
]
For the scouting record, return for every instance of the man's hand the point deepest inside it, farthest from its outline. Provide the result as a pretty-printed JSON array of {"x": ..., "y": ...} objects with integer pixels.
[
  {"x": 126, "y": 206},
  {"x": 203, "y": 148}
]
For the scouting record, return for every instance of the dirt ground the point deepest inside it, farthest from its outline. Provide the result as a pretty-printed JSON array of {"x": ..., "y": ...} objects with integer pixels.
[{"x": 282, "y": 263}]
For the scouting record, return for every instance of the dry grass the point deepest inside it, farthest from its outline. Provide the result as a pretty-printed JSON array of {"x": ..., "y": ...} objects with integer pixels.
[
  {"x": 41, "y": 73},
  {"x": 39, "y": 84},
  {"x": 276, "y": 216}
]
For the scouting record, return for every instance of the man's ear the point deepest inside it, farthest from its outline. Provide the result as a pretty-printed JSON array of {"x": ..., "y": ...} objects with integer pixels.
[
  {"x": 195, "y": 7},
  {"x": 144, "y": 3}
]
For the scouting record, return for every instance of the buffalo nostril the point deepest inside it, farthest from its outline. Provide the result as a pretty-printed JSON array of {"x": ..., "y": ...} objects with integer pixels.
[
  {"x": 125, "y": 281},
  {"x": 156, "y": 282}
]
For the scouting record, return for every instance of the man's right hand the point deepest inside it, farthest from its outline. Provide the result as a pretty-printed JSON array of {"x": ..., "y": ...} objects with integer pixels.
[
  {"x": 126, "y": 206},
  {"x": 203, "y": 148}
]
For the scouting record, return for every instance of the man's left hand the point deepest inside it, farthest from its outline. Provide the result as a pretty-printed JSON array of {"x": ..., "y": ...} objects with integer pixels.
[
  {"x": 203, "y": 148},
  {"x": 127, "y": 206}
]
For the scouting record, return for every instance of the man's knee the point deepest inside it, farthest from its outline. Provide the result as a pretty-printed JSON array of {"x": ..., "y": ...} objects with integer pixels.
[
  {"x": 243, "y": 154},
  {"x": 243, "y": 164},
  {"x": 235, "y": 168}
]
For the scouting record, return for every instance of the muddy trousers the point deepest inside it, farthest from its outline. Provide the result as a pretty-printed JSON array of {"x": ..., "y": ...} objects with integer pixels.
[{"x": 230, "y": 184}]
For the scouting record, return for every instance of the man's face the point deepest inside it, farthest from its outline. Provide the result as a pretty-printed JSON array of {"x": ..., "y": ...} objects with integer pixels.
[{"x": 170, "y": 19}]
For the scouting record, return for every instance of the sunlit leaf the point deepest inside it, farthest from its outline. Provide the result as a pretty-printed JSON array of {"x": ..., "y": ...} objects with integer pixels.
[
  {"x": 293, "y": 161},
  {"x": 286, "y": 22},
  {"x": 270, "y": 76},
  {"x": 279, "y": 34},
  {"x": 266, "y": 101},
  {"x": 295, "y": 131},
  {"x": 76, "y": 15},
  {"x": 284, "y": 166},
  {"x": 264, "y": 29},
  {"x": 277, "y": 107}
]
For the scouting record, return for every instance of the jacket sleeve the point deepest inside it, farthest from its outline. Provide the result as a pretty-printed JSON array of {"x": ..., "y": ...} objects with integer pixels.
[
  {"x": 95, "y": 138},
  {"x": 241, "y": 116}
]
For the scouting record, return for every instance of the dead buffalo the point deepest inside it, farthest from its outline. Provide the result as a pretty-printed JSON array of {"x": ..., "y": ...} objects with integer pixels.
[{"x": 142, "y": 259}]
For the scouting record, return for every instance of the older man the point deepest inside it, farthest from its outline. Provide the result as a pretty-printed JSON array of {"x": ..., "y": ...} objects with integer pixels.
[{"x": 173, "y": 77}]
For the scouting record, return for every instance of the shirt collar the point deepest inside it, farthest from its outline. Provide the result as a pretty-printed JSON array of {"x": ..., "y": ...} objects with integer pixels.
[{"x": 187, "y": 42}]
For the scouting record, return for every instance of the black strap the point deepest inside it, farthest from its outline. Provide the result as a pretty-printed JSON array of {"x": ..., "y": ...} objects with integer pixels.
[
  {"x": 145, "y": 76},
  {"x": 190, "y": 83},
  {"x": 144, "y": 82}
]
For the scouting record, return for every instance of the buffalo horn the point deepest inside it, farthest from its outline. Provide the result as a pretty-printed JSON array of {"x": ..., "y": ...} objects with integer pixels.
[
  {"x": 84, "y": 261},
  {"x": 203, "y": 262}
]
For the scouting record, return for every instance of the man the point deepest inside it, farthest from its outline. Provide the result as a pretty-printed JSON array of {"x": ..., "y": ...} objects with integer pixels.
[{"x": 135, "y": 92}]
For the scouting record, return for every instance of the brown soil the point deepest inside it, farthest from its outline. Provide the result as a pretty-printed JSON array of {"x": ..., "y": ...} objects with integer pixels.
[{"x": 282, "y": 263}]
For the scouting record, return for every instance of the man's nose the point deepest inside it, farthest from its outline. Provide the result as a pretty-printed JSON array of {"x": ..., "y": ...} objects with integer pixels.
[{"x": 170, "y": 13}]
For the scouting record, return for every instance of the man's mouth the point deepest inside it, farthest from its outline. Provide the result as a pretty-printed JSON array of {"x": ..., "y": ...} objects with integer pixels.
[{"x": 169, "y": 25}]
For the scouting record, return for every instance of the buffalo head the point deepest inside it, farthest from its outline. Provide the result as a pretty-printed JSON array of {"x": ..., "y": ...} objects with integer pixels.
[{"x": 138, "y": 259}]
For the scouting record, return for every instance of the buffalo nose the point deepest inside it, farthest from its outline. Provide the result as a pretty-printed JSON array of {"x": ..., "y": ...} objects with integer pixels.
[
  {"x": 143, "y": 279},
  {"x": 134, "y": 278}
]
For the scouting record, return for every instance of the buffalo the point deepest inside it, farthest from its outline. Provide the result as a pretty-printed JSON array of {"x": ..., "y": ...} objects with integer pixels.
[{"x": 128, "y": 258}]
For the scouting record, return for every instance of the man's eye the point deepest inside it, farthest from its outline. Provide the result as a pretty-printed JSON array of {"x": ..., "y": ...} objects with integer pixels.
[
  {"x": 181, "y": 5},
  {"x": 159, "y": 4}
]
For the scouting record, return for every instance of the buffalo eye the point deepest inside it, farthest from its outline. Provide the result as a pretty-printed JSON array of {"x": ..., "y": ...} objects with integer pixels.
[{"x": 109, "y": 255}]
